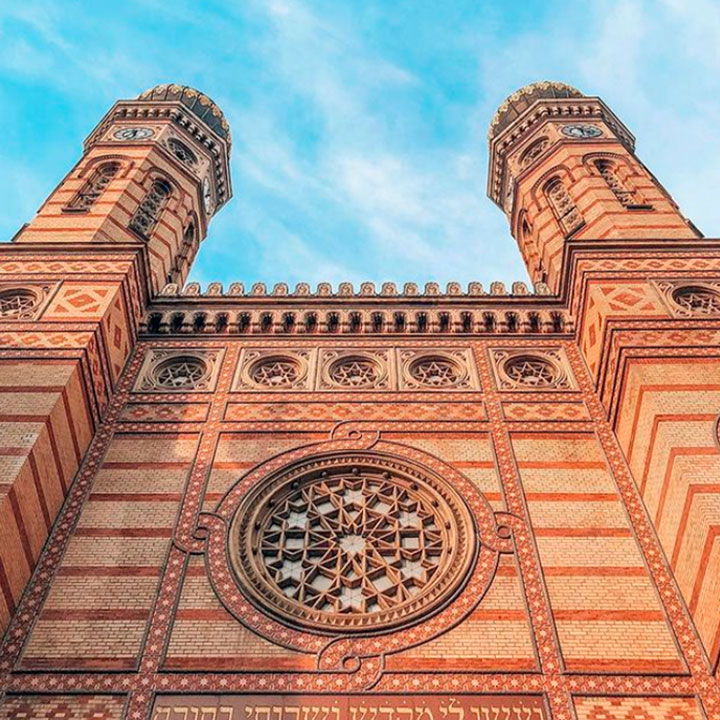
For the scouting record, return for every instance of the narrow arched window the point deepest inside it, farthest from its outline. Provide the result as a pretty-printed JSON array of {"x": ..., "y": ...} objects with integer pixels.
[
  {"x": 625, "y": 195},
  {"x": 151, "y": 207},
  {"x": 93, "y": 187},
  {"x": 564, "y": 208},
  {"x": 186, "y": 251}
]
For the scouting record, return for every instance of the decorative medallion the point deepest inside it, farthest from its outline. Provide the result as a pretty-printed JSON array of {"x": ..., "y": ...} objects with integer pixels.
[
  {"x": 691, "y": 298},
  {"x": 531, "y": 369},
  {"x": 22, "y": 302},
  {"x": 352, "y": 539},
  {"x": 437, "y": 370},
  {"x": 355, "y": 370},
  {"x": 280, "y": 369},
  {"x": 179, "y": 370}
]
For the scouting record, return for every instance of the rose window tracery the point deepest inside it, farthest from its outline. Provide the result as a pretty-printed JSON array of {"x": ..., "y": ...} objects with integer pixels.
[
  {"x": 696, "y": 300},
  {"x": 180, "y": 373},
  {"x": 531, "y": 371},
  {"x": 436, "y": 371},
  {"x": 18, "y": 303},
  {"x": 355, "y": 371},
  {"x": 275, "y": 372},
  {"x": 351, "y": 543}
]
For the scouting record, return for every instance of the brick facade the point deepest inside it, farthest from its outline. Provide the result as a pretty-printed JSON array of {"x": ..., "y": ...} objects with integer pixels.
[{"x": 576, "y": 428}]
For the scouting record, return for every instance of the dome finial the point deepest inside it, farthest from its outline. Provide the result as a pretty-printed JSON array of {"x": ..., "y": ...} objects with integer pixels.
[
  {"x": 522, "y": 99},
  {"x": 198, "y": 103}
]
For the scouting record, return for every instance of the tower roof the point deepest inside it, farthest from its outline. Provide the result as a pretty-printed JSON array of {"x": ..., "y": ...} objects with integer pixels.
[
  {"x": 517, "y": 103},
  {"x": 198, "y": 103}
]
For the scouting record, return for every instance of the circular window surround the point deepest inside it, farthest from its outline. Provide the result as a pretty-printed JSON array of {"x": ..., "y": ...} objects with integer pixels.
[
  {"x": 411, "y": 366},
  {"x": 509, "y": 382},
  {"x": 254, "y": 366},
  {"x": 377, "y": 365},
  {"x": 439, "y": 549},
  {"x": 690, "y": 288},
  {"x": 26, "y": 310},
  {"x": 489, "y": 539},
  {"x": 197, "y": 361}
]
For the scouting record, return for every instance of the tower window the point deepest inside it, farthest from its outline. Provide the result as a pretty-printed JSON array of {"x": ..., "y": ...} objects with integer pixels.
[
  {"x": 626, "y": 196},
  {"x": 564, "y": 208},
  {"x": 151, "y": 208},
  {"x": 94, "y": 187}
]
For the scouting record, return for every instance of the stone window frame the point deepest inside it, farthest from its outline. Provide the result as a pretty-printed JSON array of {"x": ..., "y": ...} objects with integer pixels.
[
  {"x": 212, "y": 357},
  {"x": 43, "y": 293},
  {"x": 251, "y": 356},
  {"x": 667, "y": 287},
  {"x": 461, "y": 357},
  {"x": 556, "y": 356}
]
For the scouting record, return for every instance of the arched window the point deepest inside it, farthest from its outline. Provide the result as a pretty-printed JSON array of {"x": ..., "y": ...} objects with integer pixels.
[
  {"x": 151, "y": 208},
  {"x": 564, "y": 208},
  {"x": 94, "y": 187},
  {"x": 622, "y": 192},
  {"x": 186, "y": 252}
]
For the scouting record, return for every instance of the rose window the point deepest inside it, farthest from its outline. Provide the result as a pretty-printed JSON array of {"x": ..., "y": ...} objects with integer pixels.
[
  {"x": 531, "y": 371},
  {"x": 355, "y": 372},
  {"x": 275, "y": 372},
  {"x": 436, "y": 371},
  {"x": 351, "y": 543},
  {"x": 697, "y": 300},
  {"x": 17, "y": 303},
  {"x": 180, "y": 373}
]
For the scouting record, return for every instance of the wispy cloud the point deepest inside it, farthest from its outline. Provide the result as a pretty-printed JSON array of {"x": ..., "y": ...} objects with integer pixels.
[{"x": 359, "y": 129}]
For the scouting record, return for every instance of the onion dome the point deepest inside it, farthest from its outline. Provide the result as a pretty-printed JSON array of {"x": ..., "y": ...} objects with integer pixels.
[
  {"x": 199, "y": 105},
  {"x": 523, "y": 98}
]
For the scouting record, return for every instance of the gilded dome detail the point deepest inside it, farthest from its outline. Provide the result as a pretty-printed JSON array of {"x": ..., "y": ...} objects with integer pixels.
[
  {"x": 526, "y": 96},
  {"x": 198, "y": 103}
]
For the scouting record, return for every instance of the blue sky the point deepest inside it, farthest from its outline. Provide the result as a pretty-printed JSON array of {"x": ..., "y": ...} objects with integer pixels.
[{"x": 359, "y": 126}]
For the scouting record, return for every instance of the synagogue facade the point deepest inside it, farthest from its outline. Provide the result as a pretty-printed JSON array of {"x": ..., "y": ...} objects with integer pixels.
[{"x": 360, "y": 503}]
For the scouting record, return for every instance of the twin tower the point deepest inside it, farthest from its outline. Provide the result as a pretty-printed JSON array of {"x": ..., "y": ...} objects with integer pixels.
[{"x": 156, "y": 169}]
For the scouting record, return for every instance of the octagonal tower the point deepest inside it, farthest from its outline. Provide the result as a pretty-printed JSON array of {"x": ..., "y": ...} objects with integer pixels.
[{"x": 563, "y": 168}]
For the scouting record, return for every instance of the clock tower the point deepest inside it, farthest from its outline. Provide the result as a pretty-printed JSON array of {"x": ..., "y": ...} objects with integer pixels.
[
  {"x": 563, "y": 169},
  {"x": 153, "y": 173}
]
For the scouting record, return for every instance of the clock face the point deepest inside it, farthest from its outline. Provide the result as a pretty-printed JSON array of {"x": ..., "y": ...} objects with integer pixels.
[
  {"x": 133, "y": 133},
  {"x": 581, "y": 132},
  {"x": 207, "y": 196}
]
